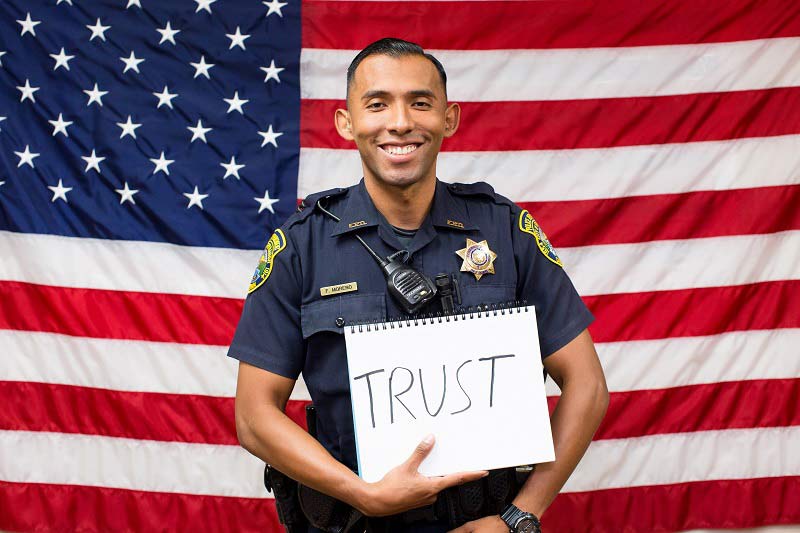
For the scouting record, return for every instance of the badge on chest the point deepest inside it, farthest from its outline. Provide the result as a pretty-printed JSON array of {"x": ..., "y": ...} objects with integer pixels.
[{"x": 478, "y": 258}]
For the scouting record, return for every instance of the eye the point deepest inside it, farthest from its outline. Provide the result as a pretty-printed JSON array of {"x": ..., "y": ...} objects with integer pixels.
[
  {"x": 422, "y": 104},
  {"x": 374, "y": 106}
]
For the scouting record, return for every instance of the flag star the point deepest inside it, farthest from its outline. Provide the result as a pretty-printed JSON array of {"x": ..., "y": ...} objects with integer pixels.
[
  {"x": 62, "y": 59},
  {"x": 202, "y": 67},
  {"x": 92, "y": 161},
  {"x": 199, "y": 132},
  {"x": 162, "y": 163},
  {"x": 274, "y": 7},
  {"x": 265, "y": 202},
  {"x": 28, "y": 25},
  {"x": 235, "y": 103},
  {"x": 167, "y": 33},
  {"x": 27, "y": 157},
  {"x": 95, "y": 95},
  {"x": 67, "y": 1},
  {"x": 128, "y": 128},
  {"x": 60, "y": 126},
  {"x": 1, "y": 55},
  {"x": 272, "y": 71},
  {"x": 232, "y": 169},
  {"x": 237, "y": 39},
  {"x": 165, "y": 98},
  {"x": 1, "y": 120},
  {"x": 126, "y": 194},
  {"x": 59, "y": 191},
  {"x": 270, "y": 137},
  {"x": 204, "y": 4},
  {"x": 27, "y": 92},
  {"x": 98, "y": 30},
  {"x": 195, "y": 198},
  {"x": 133, "y": 3},
  {"x": 131, "y": 62}
]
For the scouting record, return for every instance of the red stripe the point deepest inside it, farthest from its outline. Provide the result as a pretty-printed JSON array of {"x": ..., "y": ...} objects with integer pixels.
[
  {"x": 595, "y": 123},
  {"x": 690, "y": 215},
  {"x": 209, "y": 420},
  {"x": 706, "y": 504},
  {"x": 44, "y": 507},
  {"x": 119, "y": 314},
  {"x": 207, "y": 320},
  {"x": 695, "y": 312},
  {"x": 546, "y": 24}
]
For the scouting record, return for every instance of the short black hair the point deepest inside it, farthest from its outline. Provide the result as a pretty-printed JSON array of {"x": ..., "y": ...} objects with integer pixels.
[{"x": 393, "y": 47}]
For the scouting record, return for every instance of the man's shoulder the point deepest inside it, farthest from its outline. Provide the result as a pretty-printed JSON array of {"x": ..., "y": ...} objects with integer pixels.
[
  {"x": 481, "y": 192},
  {"x": 310, "y": 206}
]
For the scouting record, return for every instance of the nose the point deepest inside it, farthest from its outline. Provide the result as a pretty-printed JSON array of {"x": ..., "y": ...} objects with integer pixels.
[{"x": 401, "y": 121}]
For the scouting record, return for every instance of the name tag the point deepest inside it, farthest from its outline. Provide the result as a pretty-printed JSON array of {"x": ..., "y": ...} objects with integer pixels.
[{"x": 338, "y": 289}]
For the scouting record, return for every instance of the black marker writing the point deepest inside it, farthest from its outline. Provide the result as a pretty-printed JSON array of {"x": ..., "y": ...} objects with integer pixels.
[
  {"x": 492, "y": 359},
  {"x": 369, "y": 388},
  {"x": 393, "y": 397},
  {"x": 462, "y": 388},
  {"x": 444, "y": 391}
]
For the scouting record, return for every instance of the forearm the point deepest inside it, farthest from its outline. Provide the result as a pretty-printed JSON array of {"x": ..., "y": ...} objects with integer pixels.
[
  {"x": 273, "y": 437},
  {"x": 578, "y": 414}
]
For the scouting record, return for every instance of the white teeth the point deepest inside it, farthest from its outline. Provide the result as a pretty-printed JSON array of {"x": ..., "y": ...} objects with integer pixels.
[{"x": 400, "y": 150}]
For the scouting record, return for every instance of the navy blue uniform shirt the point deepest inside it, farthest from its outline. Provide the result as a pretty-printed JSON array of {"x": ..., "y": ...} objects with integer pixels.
[{"x": 288, "y": 327}]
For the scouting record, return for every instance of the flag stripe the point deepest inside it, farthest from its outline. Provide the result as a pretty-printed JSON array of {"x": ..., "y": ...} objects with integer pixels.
[
  {"x": 690, "y": 215},
  {"x": 718, "y": 504},
  {"x": 49, "y": 507},
  {"x": 590, "y": 174},
  {"x": 175, "y": 318},
  {"x": 548, "y": 24},
  {"x": 208, "y": 420},
  {"x": 687, "y": 457},
  {"x": 695, "y": 312},
  {"x": 130, "y": 464},
  {"x": 567, "y": 74},
  {"x": 594, "y": 123},
  {"x": 633, "y": 365},
  {"x": 677, "y": 264}
]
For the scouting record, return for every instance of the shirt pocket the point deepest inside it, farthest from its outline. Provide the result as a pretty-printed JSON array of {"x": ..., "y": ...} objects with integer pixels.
[
  {"x": 334, "y": 313},
  {"x": 473, "y": 295}
]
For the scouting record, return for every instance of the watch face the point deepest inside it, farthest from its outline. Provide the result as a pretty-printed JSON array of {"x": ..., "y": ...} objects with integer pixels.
[{"x": 526, "y": 525}]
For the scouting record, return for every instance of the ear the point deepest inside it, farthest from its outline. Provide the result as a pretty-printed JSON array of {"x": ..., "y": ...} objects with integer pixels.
[
  {"x": 344, "y": 124},
  {"x": 452, "y": 117}
]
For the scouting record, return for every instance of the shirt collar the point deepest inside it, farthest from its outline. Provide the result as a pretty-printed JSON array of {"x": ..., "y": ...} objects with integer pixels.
[{"x": 447, "y": 211}]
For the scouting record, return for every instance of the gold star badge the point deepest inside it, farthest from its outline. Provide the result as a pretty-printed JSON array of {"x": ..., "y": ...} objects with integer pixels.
[{"x": 478, "y": 258}]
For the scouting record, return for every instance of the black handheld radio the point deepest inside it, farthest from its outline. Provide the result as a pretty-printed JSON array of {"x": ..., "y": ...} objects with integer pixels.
[{"x": 410, "y": 288}]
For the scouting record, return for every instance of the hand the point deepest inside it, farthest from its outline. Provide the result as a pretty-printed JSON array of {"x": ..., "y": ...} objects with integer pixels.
[
  {"x": 487, "y": 524},
  {"x": 404, "y": 488}
]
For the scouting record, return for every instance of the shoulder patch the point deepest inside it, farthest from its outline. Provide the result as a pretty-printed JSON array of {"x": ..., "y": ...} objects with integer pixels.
[
  {"x": 527, "y": 224},
  {"x": 275, "y": 244}
]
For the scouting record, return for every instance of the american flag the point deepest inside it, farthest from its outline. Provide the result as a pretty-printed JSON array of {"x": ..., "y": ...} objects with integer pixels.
[{"x": 149, "y": 148}]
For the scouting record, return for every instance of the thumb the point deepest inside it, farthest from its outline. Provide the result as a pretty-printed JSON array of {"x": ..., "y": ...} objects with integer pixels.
[{"x": 420, "y": 452}]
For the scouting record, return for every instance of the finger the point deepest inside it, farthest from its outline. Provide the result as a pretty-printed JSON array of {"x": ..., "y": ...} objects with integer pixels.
[
  {"x": 460, "y": 478},
  {"x": 420, "y": 453}
]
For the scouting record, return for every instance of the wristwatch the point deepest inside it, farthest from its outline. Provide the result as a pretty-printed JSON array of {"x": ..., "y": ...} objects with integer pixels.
[{"x": 518, "y": 521}]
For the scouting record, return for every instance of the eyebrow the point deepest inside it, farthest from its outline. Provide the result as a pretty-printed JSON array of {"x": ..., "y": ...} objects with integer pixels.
[{"x": 378, "y": 93}]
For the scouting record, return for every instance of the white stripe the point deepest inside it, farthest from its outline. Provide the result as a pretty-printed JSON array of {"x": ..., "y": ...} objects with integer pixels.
[
  {"x": 124, "y": 365},
  {"x": 177, "y": 467},
  {"x": 564, "y": 74},
  {"x": 678, "y": 264},
  {"x": 687, "y": 457},
  {"x": 682, "y": 361},
  {"x": 586, "y": 174},
  {"x": 140, "y": 366},
  {"x": 125, "y": 265}
]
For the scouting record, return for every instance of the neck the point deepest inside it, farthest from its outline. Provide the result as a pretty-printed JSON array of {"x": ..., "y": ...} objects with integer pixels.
[{"x": 403, "y": 207}]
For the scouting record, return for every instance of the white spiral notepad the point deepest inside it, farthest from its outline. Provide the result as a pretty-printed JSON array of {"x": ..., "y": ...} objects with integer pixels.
[{"x": 474, "y": 380}]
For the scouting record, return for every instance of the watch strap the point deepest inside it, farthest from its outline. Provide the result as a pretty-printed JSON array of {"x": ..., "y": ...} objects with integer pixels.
[{"x": 512, "y": 515}]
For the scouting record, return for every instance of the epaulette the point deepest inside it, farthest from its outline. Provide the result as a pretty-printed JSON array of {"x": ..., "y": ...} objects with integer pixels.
[
  {"x": 306, "y": 206},
  {"x": 479, "y": 188}
]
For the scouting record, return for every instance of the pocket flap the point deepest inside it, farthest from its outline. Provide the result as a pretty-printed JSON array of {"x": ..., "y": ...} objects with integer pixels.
[{"x": 332, "y": 314}]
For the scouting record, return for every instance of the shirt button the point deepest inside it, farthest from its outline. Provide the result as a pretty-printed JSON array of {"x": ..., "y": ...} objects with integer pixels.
[{"x": 340, "y": 322}]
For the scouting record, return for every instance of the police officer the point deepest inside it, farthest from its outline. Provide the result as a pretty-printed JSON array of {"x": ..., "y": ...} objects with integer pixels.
[{"x": 314, "y": 278}]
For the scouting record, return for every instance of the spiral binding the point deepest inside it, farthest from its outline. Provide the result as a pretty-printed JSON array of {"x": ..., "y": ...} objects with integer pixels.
[{"x": 464, "y": 313}]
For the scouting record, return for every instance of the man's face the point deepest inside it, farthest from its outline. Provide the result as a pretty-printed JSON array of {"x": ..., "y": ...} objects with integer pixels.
[{"x": 397, "y": 115}]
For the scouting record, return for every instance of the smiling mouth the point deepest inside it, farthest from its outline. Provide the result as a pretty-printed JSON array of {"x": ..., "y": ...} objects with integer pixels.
[{"x": 394, "y": 149}]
